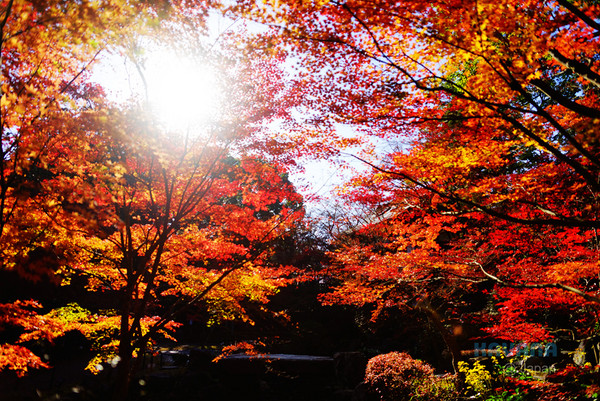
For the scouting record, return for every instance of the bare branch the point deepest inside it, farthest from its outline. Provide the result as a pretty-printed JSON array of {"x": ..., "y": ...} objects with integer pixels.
[
  {"x": 586, "y": 296},
  {"x": 5, "y": 19},
  {"x": 579, "y": 68},
  {"x": 564, "y": 101},
  {"x": 486, "y": 209},
  {"x": 579, "y": 14}
]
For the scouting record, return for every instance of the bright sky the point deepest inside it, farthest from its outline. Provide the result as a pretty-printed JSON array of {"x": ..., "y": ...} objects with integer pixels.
[
  {"x": 184, "y": 92},
  {"x": 181, "y": 91}
]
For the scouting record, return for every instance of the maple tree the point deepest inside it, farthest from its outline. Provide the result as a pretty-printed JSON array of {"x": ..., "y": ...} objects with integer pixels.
[
  {"x": 179, "y": 226},
  {"x": 491, "y": 109},
  {"x": 491, "y": 187},
  {"x": 101, "y": 195},
  {"x": 47, "y": 48}
]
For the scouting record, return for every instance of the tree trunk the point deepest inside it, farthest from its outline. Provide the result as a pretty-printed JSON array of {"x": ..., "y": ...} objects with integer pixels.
[
  {"x": 123, "y": 379},
  {"x": 448, "y": 337}
]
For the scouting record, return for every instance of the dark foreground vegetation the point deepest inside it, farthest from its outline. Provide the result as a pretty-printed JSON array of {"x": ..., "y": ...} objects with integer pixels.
[{"x": 328, "y": 353}]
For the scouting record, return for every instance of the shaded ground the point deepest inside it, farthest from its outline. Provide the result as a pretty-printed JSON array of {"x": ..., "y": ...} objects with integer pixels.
[{"x": 190, "y": 374}]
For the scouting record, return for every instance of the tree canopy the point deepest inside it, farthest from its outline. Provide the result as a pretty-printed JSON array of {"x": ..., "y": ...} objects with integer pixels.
[
  {"x": 481, "y": 207},
  {"x": 491, "y": 112},
  {"x": 100, "y": 196}
]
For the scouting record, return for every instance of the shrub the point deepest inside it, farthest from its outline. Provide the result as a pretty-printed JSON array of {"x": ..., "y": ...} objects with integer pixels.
[
  {"x": 477, "y": 378},
  {"x": 397, "y": 376}
]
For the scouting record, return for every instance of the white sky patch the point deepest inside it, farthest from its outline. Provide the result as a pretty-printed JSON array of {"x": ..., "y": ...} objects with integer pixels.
[
  {"x": 182, "y": 89},
  {"x": 321, "y": 179},
  {"x": 118, "y": 77},
  {"x": 182, "y": 92}
]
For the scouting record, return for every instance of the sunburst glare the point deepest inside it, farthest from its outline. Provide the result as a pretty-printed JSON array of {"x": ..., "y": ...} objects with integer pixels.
[{"x": 183, "y": 92}]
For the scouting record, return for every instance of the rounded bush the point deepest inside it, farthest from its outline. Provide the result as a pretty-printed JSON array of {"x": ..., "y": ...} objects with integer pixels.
[{"x": 397, "y": 376}]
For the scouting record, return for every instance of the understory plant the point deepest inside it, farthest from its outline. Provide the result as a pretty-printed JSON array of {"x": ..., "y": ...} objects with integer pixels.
[
  {"x": 478, "y": 379},
  {"x": 397, "y": 376}
]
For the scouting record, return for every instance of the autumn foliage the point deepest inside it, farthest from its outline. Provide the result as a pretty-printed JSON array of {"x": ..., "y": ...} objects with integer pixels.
[
  {"x": 150, "y": 223},
  {"x": 480, "y": 124},
  {"x": 397, "y": 375}
]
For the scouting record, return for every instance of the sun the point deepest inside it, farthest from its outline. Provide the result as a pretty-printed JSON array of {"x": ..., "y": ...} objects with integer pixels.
[{"x": 183, "y": 92}]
